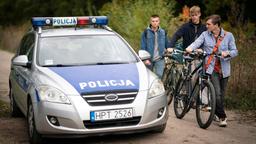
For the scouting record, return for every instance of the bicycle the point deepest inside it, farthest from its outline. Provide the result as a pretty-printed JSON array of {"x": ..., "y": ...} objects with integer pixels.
[
  {"x": 202, "y": 92},
  {"x": 172, "y": 71}
]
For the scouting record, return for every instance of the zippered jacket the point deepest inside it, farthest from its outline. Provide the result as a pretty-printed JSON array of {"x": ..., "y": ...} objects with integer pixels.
[
  {"x": 189, "y": 32},
  {"x": 148, "y": 41}
]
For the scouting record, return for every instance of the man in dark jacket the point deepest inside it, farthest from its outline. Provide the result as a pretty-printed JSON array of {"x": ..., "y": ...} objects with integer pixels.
[{"x": 189, "y": 31}]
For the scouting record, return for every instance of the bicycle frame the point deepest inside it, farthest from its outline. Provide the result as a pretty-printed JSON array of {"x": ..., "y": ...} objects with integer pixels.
[{"x": 192, "y": 89}]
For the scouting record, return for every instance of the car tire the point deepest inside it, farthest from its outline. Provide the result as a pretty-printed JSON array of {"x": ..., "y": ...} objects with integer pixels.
[
  {"x": 34, "y": 136},
  {"x": 14, "y": 109}
]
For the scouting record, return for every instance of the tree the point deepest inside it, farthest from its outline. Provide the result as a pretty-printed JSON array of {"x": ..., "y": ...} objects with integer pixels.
[
  {"x": 237, "y": 12},
  {"x": 15, "y": 12}
]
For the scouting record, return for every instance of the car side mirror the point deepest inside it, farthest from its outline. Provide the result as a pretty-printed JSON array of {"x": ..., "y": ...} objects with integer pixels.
[
  {"x": 21, "y": 60},
  {"x": 144, "y": 55}
]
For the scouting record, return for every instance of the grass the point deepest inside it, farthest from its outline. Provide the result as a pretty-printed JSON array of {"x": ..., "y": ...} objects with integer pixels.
[
  {"x": 4, "y": 109},
  {"x": 246, "y": 103}
]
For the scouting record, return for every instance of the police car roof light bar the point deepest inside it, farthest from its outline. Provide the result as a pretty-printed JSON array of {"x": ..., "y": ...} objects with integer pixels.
[{"x": 69, "y": 21}]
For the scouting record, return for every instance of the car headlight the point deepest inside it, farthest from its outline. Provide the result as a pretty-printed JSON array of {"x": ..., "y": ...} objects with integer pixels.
[
  {"x": 51, "y": 94},
  {"x": 156, "y": 88}
]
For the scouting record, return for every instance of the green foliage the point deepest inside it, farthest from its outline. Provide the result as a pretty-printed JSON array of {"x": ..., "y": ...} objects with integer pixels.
[
  {"x": 130, "y": 17},
  {"x": 237, "y": 12},
  {"x": 243, "y": 103},
  {"x": 14, "y": 12}
]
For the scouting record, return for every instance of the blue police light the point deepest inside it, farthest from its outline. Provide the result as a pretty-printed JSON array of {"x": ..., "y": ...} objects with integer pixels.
[
  {"x": 99, "y": 20},
  {"x": 69, "y": 21},
  {"x": 41, "y": 21}
]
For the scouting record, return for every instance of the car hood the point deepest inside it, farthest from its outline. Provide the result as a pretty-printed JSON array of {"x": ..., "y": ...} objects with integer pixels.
[{"x": 100, "y": 78}]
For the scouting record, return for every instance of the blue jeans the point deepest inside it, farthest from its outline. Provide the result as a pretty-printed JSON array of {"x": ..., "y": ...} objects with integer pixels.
[{"x": 158, "y": 68}]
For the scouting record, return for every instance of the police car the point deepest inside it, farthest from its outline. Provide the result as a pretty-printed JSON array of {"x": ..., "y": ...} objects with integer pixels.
[{"x": 74, "y": 76}]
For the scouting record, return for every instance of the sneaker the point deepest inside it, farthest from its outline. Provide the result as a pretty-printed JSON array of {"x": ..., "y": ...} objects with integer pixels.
[
  {"x": 223, "y": 122},
  {"x": 216, "y": 118}
]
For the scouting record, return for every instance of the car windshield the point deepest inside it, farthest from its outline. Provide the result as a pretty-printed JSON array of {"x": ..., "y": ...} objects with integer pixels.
[{"x": 83, "y": 50}]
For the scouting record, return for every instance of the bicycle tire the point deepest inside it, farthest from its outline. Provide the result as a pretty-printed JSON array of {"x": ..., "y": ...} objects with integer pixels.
[
  {"x": 168, "y": 83},
  {"x": 165, "y": 82},
  {"x": 181, "y": 99},
  {"x": 206, "y": 104},
  {"x": 171, "y": 84}
]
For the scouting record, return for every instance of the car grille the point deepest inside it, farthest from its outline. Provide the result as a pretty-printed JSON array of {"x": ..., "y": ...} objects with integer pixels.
[
  {"x": 112, "y": 123},
  {"x": 99, "y": 99}
]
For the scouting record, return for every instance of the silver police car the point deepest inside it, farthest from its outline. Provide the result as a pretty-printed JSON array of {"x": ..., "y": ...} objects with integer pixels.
[{"x": 74, "y": 76}]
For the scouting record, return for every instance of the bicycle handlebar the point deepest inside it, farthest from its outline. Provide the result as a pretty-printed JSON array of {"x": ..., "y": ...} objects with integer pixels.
[
  {"x": 192, "y": 55},
  {"x": 175, "y": 51}
]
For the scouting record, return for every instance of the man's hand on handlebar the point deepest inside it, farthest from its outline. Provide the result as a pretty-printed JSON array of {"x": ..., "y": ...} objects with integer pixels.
[
  {"x": 197, "y": 51},
  {"x": 225, "y": 54},
  {"x": 147, "y": 62},
  {"x": 169, "y": 50},
  {"x": 189, "y": 50}
]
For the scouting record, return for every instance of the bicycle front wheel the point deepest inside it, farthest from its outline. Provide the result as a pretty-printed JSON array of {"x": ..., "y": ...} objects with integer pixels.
[{"x": 205, "y": 104}]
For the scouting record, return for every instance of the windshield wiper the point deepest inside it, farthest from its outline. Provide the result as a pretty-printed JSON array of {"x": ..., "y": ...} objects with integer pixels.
[
  {"x": 84, "y": 64},
  {"x": 59, "y": 65},
  {"x": 110, "y": 63}
]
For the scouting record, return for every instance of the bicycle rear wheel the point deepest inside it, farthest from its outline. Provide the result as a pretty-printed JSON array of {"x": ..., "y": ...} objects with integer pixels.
[
  {"x": 181, "y": 99},
  {"x": 171, "y": 81},
  {"x": 165, "y": 79},
  {"x": 169, "y": 77},
  {"x": 205, "y": 104}
]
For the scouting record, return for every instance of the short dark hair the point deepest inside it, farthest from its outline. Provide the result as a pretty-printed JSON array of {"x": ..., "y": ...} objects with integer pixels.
[
  {"x": 216, "y": 19},
  {"x": 155, "y": 16}
]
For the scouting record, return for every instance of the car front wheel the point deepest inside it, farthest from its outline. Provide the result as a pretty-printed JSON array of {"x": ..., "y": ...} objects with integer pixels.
[{"x": 34, "y": 136}]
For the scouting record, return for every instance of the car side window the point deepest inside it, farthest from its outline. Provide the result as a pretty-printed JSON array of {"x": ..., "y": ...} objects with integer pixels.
[
  {"x": 27, "y": 46},
  {"x": 30, "y": 53}
]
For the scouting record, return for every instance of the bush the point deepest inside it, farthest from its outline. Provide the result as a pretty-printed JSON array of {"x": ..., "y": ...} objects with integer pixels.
[
  {"x": 242, "y": 87},
  {"x": 130, "y": 17}
]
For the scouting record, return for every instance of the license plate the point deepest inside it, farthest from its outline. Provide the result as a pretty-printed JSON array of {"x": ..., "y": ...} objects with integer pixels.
[{"x": 111, "y": 114}]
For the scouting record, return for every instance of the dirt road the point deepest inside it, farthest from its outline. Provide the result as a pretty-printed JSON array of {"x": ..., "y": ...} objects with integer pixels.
[{"x": 239, "y": 130}]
